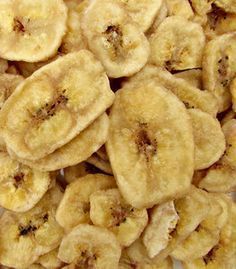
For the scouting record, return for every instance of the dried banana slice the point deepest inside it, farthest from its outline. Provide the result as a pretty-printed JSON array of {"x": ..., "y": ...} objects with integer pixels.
[
  {"x": 180, "y": 8},
  {"x": 209, "y": 139},
  {"x": 50, "y": 260},
  {"x": 177, "y": 44},
  {"x": 157, "y": 234},
  {"x": 20, "y": 186},
  {"x": 31, "y": 31},
  {"x": 219, "y": 178},
  {"x": 147, "y": 125},
  {"x": 142, "y": 12},
  {"x": 26, "y": 236},
  {"x": 3, "y": 65},
  {"x": 77, "y": 150},
  {"x": 114, "y": 38},
  {"x": 74, "y": 208},
  {"x": 102, "y": 165},
  {"x": 192, "y": 76},
  {"x": 191, "y": 96},
  {"x": 89, "y": 246},
  {"x": 219, "y": 68},
  {"x": 108, "y": 209},
  {"x": 55, "y": 104}
]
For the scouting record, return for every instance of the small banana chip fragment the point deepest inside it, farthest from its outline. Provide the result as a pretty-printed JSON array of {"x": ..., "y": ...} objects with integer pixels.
[
  {"x": 74, "y": 207},
  {"x": 26, "y": 236},
  {"x": 55, "y": 104},
  {"x": 177, "y": 44},
  {"x": 88, "y": 246},
  {"x": 31, "y": 31},
  {"x": 114, "y": 38},
  {"x": 108, "y": 209}
]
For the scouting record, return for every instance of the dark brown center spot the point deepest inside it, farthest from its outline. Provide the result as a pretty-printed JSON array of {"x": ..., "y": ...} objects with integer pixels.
[
  {"x": 114, "y": 36},
  {"x": 216, "y": 15},
  {"x": 86, "y": 260},
  {"x": 18, "y": 26},
  {"x": 210, "y": 255},
  {"x": 18, "y": 179},
  {"x": 26, "y": 230},
  {"x": 119, "y": 214}
]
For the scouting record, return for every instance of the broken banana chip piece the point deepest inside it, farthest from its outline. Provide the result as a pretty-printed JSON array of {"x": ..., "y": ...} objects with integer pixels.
[
  {"x": 20, "y": 186},
  {"x": 151, "y": 130},
  {"x": 55, "y": 104},
  {"x": 26, "y": 236},
  {"x": 101, "y": 164},
  {"x": 74, "y": 207},
  {"x": 177, "y": 44},
  {"x": 31, "y": 31},
  {"x": 108, "y": 209},
  {"x": 88, "y": 246},
  {"x": 114, "y": 38}
]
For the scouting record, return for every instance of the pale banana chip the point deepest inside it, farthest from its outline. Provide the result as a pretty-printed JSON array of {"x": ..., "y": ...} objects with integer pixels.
[
  {"x": 50, "y": 260},
  {"x": 101, "y": 164},
  {"x": 20, "y": 186},
  {"x": 88, "y": 246},
  {"x": 74, "y": 207},
  {"x": 177, "y": 44},
  {"x": 26, "y": 236},
  {"x": 108, "y": 209},
  {"x": 150, "y": 130},
  {"x": 77, "y": 150},
  {"x": 180, "y": 8},
  {"x": 209, "y": 139},
  {"x": 192, "y": 76},
  {"x": 114, "y": 38},
  {"x": 55, "y": 104},
  {"x": 3, "y": 65},
  {"x": 31, "y": 31},
  {"x": 219, "y": 68}
]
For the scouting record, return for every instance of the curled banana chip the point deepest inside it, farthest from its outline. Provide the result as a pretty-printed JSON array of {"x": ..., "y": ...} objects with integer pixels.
[
  {"x": 177, "y": 44},
  {"x": 74, "y": 207},
  {"x": 114, "y": 38},
  {"x": 109, "y": 210},
  {"x": 55, "y": 104},
  {"x": 31, "y": 32},
  {"x": 20, "y": 186},
  {"x": 209, "y": 139},
  {"x": 147, "y": 125},
  {"x": 88, "y": 246},
  {"x": 26, "y": 236},
  {"x": 180, "y": 8},
  {"x": 50, "y": 260},
  {"x": 192, "y": 76}
]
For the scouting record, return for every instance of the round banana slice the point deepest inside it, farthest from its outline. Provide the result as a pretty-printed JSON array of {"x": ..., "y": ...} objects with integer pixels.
[
  {"x": 209, "y": 139},
  {"x": 20, "y": 186},
  {"x": 3, "y": 65},
  {"x": 108, "y": 209},
  {"x": 55, "y": 104},
  {"x": 219, "y": 68},
  {"x": 180, "y": 8},
  {"x": 26, "y": 236},
  {"x": 192, "y": 76},
  {"x": 177, "y": 44},
  {"x": 142, "y": 12},
  {"x": 191, "y": 96},
  {"x": 31, "y": 31},
  {"x": 219, "y": 178},
  {"x": 50, "y": 260},
  {"x": 150, "y": 129},
  {"x": 77, "y": 150},
  {"x": 74, "y": 208},
  {"x": 157, "y": 234},
  {"x": 114, "y": 38},
  {"x": 102, "y": 165},
  {"x": 88, "y": 246}
]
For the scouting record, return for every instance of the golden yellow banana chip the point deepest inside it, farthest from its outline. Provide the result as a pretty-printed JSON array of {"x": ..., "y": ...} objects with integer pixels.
[
  {"x": 55, "y": 104},
  {"x": 88, "y": 246},
  {"x": 148, "y": 125},
  {"x": 31, "y": 31}
]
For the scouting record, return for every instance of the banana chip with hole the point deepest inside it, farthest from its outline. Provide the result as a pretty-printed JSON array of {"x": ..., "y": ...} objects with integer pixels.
[
  {"x": 31, "y": 31},
  {"x": 108, "y": 209},
  {"x": 88, "y": 246},
  {"x": 114, "y": 38},
  {"x": 55, "y": 104},
  {"x": 150, "y": 129}
]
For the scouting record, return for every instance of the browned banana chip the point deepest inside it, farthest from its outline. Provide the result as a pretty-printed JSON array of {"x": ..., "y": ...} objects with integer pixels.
[
  {"x": 55, "y": 104},
  {"x": 150, "y": 129}
]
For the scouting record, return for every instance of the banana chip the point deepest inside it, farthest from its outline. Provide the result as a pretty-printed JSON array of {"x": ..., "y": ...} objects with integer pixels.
[
  {"x": 208, "y": 139},
  {"x": 180, "y": 8},
  {"x": 50, "y": 260},
  {"x": 55, "y": 104},
  {"x": 31, "y": 31},
  {"x": 26, "y": 236},
  {"x": 177, "y": 44},
  {"x": 88, "y": 246},
  {"x": 74, "y": 207},
  {"x": 147, "y": 126},
  {"x": 109, "y": 210},
  {"x": 101, "y": 164},
  {"x": 114, "y": 38}
]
